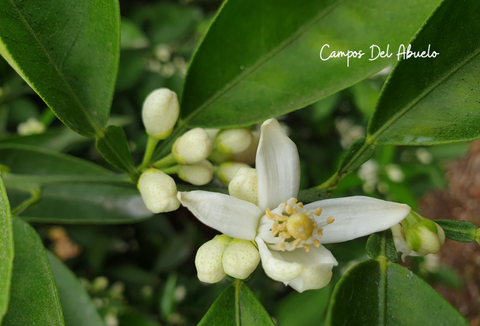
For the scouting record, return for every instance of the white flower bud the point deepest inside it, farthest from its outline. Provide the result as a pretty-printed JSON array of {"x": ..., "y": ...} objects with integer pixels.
[
  {"x": 249, "y": 155},
  {"x": 233, "y": 140},
  {"x": 245, "y": 185},
  {"x": 160, "y": 113},
  {"x": 208, "y": 260},
  {"x": 159, "y": 191},
  {"x": 198, "y": 174},
  {"x": 194, "y": 146},
  {"x": 30, "y": 127},
  {"x": 240, "y": 259},
  {"x": 227, "y": 171}
]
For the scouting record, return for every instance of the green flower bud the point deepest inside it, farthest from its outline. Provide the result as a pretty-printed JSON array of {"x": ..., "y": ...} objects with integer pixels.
[
  {"x": 227, "y": 171},
  {"x": 159, "y": 191},
  {"x": 240, "y": 259},
  {"x": 422, "y": 236},
  {"x": 193, "y": 147},
  {"x": 198, "y": 174},
  {"x": 160, "y": 113},
  {"x": 208, "y": 260},
  {"x": 245, "y": 185},
  {"x": 231, "y": 141}
]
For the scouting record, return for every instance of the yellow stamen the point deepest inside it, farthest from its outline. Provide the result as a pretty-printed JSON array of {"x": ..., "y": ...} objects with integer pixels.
[
  {"x": 296, "y": 243},
  {"x": 307, "y": 248},
  {"x": 284, "y": 203},
  {"x": 330, "y": 220},
  {"x": 285, "y": 235},
  {"x": 316, "y": 243},
  {"x": 274, "y": 232},
  {"x": 280, "y": 218},
  {"x": 320, "y": 233},
  {"x": 289, "y": 209},
  {"x": 300, "y": 205},
  {"x": 269, "y": 214},
  {"x": 281, "y": 245},
  {"x": 281, "y": 227},
  {"x": 318, "y": 211},
  {"x": 294, "y": 200}
]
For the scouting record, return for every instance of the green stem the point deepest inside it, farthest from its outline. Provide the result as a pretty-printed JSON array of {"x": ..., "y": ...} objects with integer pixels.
[
  {"x": 151, "y": 144},
  {"x": 47, "y": 117},
  {"x": 36, "y": 195},
  {"x": 166, "y": 161},
  {"x": 171, "y": 170}
]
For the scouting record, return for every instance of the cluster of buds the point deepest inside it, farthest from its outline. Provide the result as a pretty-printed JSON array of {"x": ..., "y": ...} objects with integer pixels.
[
  {"x": 417, "y": 236},
  {"x": 223, "y": 256}
]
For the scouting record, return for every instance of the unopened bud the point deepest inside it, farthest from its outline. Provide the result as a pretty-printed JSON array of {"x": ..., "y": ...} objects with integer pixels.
[
  {"x": 159, "y": 191},
  {"x": 249, "y": 155},
  {"x": 240, "y": 259},
  {"x": 197, "y": 174},
  {"x": 194, "y": 146},
  {"x": 160, "y": 113},
  {"x": 99, "y": 284},
  {"x": 208, "y": 260},
  {"x": 227, "y": 171},
  {"x": 231, "y": 141},
  {"x": 30, "y": 127},
  {"x": 245, "y": 185},
  {"x": 419, "y": 235}
]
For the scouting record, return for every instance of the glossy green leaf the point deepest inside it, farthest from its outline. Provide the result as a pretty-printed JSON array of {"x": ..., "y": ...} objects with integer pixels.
[
  {"x": 237, "y": 306},
  {"x": 114, "y": 148},
  {"x": 461, "y": 231},
  {"x": 269, "y": 69},
  {"x": 33, "y": 298},
  {"x": 307, "y": 308},
  {"x": 382, "y": 293},
  {"x": 78, "y": 308},
  {"x": 381, "y": 244},
  {"x": 56, "y": 139},
  {"x": 83, "y": 204},
  {"x": 435, "y": 100},
  {"x": 6, "y": 250},
  {"x": 68, "y": 52}
]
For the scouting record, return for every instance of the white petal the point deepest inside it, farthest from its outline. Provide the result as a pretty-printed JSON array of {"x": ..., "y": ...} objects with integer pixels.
[
  {"x": 275, "y": 266},
  {"x": 357, "y": 216},
  {"x": 229, "y": 215},
  {"x": 312, "y": 278},
  {"x": 278, "y": 166}
]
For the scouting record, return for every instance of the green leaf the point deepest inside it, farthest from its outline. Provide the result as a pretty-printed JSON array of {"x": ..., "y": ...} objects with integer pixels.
[
  {"x": 6, "y": 250},
  {"x": 83, "y": 204},
  {"x": 34, "y": 298},
  {"x": 114, "y": 148},
  {"x": 461, "y": 231},
  {"x": 78, "y": 308},
  {"x": 306, "y": 308},
  {"x": 269, "y": 69},
  {"x": 68, "y": 52},
  {"x": 56, "y": 140},
  {"x": 381, "y": 244},
  {"x": 382, "y": 293},
  {"x": 132, "y": 37},
  {"x": 237, "y": 306},
  {"x": 435, "y": 100}
]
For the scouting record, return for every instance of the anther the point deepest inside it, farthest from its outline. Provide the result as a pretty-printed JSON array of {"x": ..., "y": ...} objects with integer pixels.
[
  {"x": 307, "y": 248},
  {"x": 330, "y": 220},
  {"x": 284, "y": 203},
  {"x": 296, "y": 243},
  {"x": 281, "y": 245},
  {"x": 285, "y": 235},
  {"x": 269, "y": 214},
  {"x": 316, "y": 243},
  {"x": 320, "y": 233},
  {"x": 294, "y": 200},
  {"x": 281, "y": 227},
  {"x": 289, "y": 209},
  {"x": 300, "y": 205},
  {"x": 318, "y": 211},
  {"x": 280, "y": 218}
]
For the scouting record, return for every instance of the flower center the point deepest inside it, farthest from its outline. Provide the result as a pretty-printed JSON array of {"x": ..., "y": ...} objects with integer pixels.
[{"x": 296, "y": 226}]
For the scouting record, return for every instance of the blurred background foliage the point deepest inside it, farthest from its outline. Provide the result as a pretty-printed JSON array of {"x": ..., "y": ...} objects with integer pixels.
[{"x": 144, "y": 273}]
